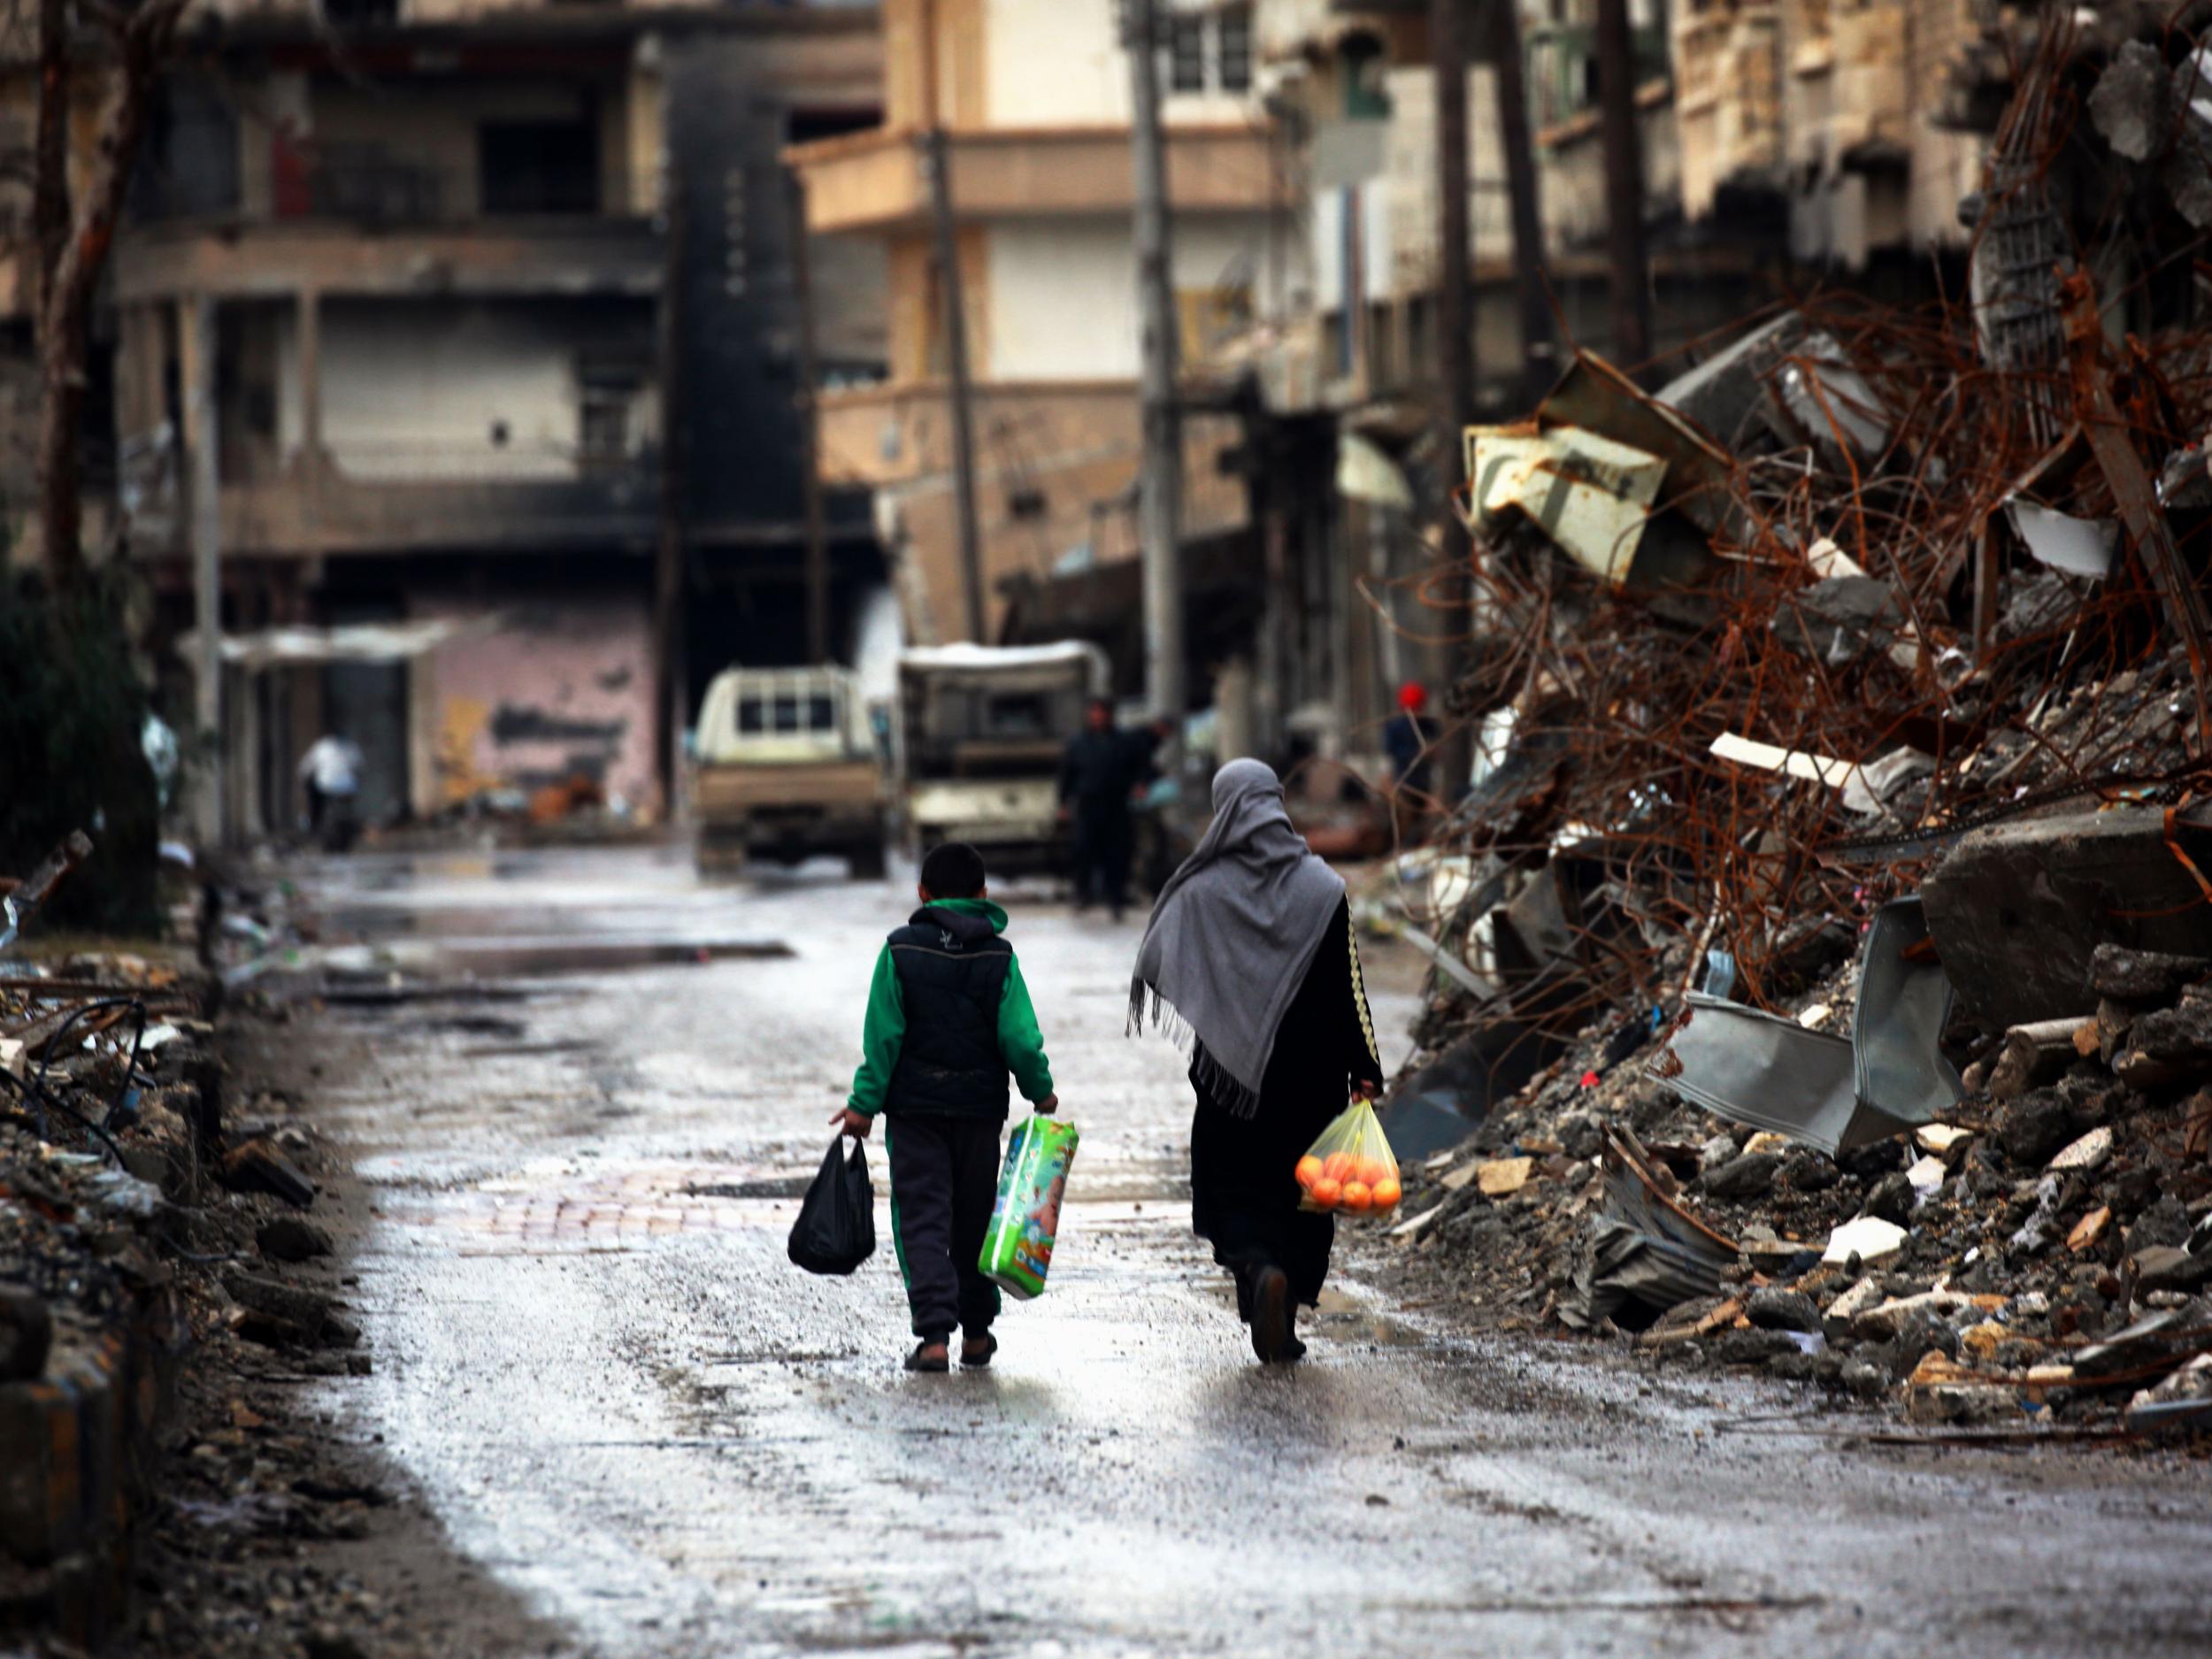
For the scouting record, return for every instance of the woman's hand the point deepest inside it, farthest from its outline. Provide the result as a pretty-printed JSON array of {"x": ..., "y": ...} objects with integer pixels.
[{"x": 852, "y": 1122}]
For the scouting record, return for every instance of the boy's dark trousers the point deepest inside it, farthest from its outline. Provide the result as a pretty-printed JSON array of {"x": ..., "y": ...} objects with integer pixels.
[{"x": 944, "y": 1181}]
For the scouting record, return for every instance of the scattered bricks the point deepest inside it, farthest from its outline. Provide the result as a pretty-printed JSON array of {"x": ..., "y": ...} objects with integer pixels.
[
  {"x": 2089, "y": 1232},
  {"x": 2034, "y": 1054},
  {"x": 2168, "y": 1045},
  {"x": 1744, "y": 1177},
  {"x": 26, "y": 1333},
  {"x": 1774, "y": 1309},
  {"x": 2165, "y": 1267},
  {"x": 1940, "y": 1390},
  {"x": 2115, "y": 1020},
  {"x": 291, "y": 1238},
  {"x": 2034, "y": 1127},
  {"x": 1500, "y": 1177},
  {"x": 2143, "y": 975},
  {"x": 257, "y": 1166},
  {"x": 1808, "y": 1170},
  {"x": 1893, "y": 1199},
  {"x": 1864, "y": 1381},
  {"x": 2091, "y": 1152},
  {"x": 303, "y": 1309},
  {"x": 1891, "y": 1318}
]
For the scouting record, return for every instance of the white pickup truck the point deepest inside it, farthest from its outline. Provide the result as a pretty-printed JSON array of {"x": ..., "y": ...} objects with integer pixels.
[
  {"x": 787, "y": 767},
  {"x": 981, "y": 730}
]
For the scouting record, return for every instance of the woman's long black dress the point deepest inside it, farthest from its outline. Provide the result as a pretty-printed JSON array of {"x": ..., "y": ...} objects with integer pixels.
[{"x": 1243, "y": 1178}]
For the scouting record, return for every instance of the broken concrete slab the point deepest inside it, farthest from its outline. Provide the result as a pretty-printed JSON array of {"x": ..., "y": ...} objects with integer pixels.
[
  {"x": 1886, "y": 1320},
  {"x": 2088, "y": 1153},
  {"x": 257, "y": 1166},
  {"x": 1502, "y": 1178},
  {"x": 292, "y": 1238},
  {"x": 2017, "y": 910},
  {"x": 1868, "y": 1237},
  {"x": 2130, "y": 103},
  {"x": 2144, "y": 976}
]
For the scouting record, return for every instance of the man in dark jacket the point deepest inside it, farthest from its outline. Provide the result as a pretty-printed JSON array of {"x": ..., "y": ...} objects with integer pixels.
[
  {"x": 948, "y": 1017},
  {"x": 1097, "y": 773}
]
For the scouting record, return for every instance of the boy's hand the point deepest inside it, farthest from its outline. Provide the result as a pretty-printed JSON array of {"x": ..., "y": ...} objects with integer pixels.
[
  {"x": 1045, "y": 1107},
  {"x": 1364, "y": 1090},
  {"x": 852, "y": 1122}
]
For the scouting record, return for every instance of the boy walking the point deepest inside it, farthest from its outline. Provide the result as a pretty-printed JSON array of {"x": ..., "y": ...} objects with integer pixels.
[{"x": 948, "y": 1017}]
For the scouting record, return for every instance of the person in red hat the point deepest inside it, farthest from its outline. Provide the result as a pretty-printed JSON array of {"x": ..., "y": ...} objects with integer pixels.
[{"x": 1407, "y": 738}]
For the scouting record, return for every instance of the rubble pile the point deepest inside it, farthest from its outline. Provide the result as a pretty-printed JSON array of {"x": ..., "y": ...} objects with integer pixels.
[
  {"x": 163, "y": 1280},
  {"x": 1829, "y": 942}
]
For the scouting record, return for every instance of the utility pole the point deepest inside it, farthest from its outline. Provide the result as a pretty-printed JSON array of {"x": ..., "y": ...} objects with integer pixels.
[
  {"x": 818, "y": 646},
  {"x": 1538, "y": 355},
  {"x": 954, "y": 315},
  {"x": 1624, "y": 187},
  {"x": 204, "y": 498},
  {"x": 670, "y": 673},
  {"x": 1455, "y": 334},
  {"x": 1160, "y": 484},
  {"x": 1456, "y": 346}
]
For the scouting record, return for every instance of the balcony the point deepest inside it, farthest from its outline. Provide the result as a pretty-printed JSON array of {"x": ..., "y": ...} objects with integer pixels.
[
  {"x": 555, "y": 255},
  {"x": 874, "y": 180},
  {"x": 552, "y": 501}
]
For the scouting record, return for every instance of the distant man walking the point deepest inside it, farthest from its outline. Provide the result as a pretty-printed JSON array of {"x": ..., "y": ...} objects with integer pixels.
[
  {"x": 332, "y": 771},
  {"x": 1096, "y": 775}
]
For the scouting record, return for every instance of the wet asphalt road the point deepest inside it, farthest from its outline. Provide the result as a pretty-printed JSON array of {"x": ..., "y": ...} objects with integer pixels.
[{"x": 595, "y": 1361}]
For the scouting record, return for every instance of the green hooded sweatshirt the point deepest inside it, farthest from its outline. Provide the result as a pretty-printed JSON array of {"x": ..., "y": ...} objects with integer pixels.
[{"x": 1020, "y": 1043}]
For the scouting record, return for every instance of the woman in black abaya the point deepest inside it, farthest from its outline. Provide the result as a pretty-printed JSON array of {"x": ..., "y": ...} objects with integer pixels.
[{"x": 1250, "y": 960}]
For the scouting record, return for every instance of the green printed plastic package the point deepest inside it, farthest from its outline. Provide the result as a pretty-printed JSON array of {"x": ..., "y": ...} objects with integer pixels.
[{"x": 1017, "y": 1248}]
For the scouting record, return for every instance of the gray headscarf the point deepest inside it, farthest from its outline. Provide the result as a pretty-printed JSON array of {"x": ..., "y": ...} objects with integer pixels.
[{"x": 1232, "y": 934}]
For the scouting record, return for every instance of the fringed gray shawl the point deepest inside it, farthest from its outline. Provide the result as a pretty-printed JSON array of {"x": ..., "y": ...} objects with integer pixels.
[{"x": 1232, "y": 936}]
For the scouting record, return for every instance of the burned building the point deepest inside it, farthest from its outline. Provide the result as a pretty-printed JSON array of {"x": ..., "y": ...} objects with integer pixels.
[{"x": 482, "y": 321}]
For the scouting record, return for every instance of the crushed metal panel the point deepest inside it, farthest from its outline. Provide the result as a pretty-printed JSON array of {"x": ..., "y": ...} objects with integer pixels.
[
  {"x": 1591, "y": 493},
  {"x": 1904, "y": 1001},
  {"x": 1639, "y": 1250},
  {"x": 1758, "y": 1069},
  {"x": 1755, "y": 1068},
  {"x": 2080, "y": 546}
]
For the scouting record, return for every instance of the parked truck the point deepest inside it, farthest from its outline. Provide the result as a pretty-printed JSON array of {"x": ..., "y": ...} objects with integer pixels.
[
  {"x": 787, "y": 766},
  {"x": 981, "y": 729}
]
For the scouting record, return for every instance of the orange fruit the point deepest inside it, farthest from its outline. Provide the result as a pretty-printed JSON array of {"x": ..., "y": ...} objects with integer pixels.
[
  {"x": 1370, "y": 1170},
  {"x": 1357, "y": 1197},
  {"x": 1325, "y": 1192},
  {"x": 1308, "y": 1170},
  {"x": 1339, "y": 1167},
  {"x": 1387, "y": 1193}
]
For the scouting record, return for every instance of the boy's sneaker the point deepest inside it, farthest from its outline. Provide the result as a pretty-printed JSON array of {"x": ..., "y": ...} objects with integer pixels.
[{"x": 930, "y": 1357}]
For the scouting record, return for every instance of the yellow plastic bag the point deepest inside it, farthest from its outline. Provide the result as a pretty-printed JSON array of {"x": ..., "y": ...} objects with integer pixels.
[{"x": 1350, "y": 1169}]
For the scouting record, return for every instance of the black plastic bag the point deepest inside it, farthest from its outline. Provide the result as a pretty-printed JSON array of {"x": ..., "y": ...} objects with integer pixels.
[{"x": 836, "y": 1229}]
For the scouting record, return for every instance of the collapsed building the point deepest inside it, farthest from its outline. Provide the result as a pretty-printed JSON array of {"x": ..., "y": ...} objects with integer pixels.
[
  {"x": 463, "y": 344},
  {"x": 1826, "y": 950}
]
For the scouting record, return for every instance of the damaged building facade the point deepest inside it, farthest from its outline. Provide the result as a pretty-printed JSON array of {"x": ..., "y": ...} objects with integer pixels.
[
  {"x": 464, "y": 341},
  {"x": 1033, "y": 105}
]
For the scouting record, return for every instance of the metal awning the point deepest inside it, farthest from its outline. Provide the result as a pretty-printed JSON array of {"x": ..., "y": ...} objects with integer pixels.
[{"x": 353, "y": 642}]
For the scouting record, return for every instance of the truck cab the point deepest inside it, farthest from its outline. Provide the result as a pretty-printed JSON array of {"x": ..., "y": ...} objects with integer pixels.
[
  {"x": 981, "y": 730},
  {"x": 787, "y": 766}
]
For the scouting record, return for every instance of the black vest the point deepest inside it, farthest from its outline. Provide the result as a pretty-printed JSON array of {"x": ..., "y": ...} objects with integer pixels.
[{"x": 952, "y": 973}]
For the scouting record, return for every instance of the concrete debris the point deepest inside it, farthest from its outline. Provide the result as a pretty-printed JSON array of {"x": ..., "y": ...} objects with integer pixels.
[
  {"x": 2088, "y": 1153},
  {"x": 1500, "y": 1177},
  {"x": 1869, "y": 1239}
]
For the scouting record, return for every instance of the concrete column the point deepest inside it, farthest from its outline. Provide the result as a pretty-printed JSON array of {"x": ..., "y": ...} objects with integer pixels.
[
  {"x": 195, "y": 346},
  {"x": 309, "y": 320}
]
